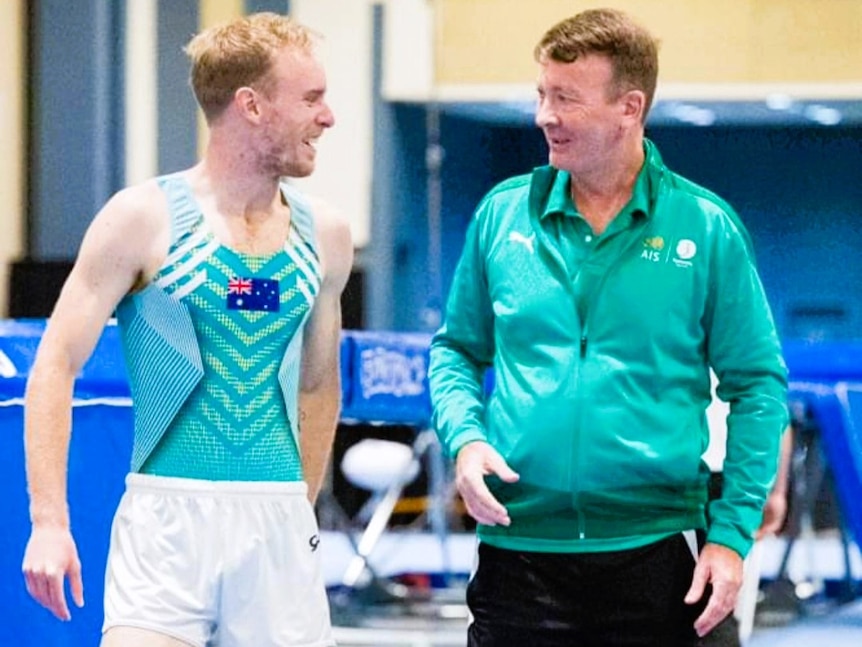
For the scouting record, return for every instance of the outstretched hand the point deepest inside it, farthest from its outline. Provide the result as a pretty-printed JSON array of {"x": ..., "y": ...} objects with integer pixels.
[
  {"x": 50, "y": 556},
  {"x": 474, "y": 462}
]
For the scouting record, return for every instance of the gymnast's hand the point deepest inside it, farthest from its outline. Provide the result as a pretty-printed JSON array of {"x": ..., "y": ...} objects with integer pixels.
[
  {"x": 474, "y": 462},
  {"x": 50, "y": 556},
  {"x": 722, "y": 567}
]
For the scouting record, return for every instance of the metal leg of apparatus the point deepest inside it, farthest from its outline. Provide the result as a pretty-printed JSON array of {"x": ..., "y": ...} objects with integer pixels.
[
  {"x": 438, "y": 503},
  {"x": 382, "y": 514}
]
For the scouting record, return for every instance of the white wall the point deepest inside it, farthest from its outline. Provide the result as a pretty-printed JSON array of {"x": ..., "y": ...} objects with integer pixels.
[
  {"x": 344, "y": 153},
  {"x": 12, "y": 160},
  {"x": 142, "y": 116}
]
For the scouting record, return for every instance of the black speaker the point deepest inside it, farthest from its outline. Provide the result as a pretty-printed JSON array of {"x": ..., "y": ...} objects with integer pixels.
[
  {"x": 34, "y": 287},
  {"x": 353, "y": 301}
]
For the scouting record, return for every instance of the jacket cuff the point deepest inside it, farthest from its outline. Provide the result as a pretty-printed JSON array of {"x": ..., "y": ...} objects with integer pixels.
[
  {"x": 730, "y": 537},
  {"x": 462, "y": 439}
]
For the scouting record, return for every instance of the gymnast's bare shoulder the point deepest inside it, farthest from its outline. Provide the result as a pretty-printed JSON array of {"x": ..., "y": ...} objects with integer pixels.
[
  {"x": 335, "y": 245},
  {"x": 132, "y": 232},
  {"x": 123, "y": 247}
]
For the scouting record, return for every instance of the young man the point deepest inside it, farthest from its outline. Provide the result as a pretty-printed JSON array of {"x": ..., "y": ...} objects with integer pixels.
[
  {"x": 601, "y": 289},
  {"x": 226, "y": 285}
]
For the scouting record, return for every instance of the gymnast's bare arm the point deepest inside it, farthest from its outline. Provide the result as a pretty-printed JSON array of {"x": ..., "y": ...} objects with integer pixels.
[
  {"x": 320, "y": 386},
  {"x": 119, "y": 253}
]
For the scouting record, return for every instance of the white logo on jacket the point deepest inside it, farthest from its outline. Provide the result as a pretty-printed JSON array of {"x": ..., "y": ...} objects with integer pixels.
[
  {"x": 686, "y": 249},
  {"x": 518, "y": 237}
]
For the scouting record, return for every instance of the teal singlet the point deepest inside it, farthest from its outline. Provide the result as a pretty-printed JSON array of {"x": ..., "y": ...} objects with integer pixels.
[{"x": 245, "y": 310}]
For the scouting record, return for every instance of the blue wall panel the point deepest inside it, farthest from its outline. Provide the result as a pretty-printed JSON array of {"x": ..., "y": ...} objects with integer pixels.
[
  {"x": 76, "y": 121},
  {"x": 177, "y": 131},
  {"x": 799, "y": 192},
  {"x": 98, "y": 459}
]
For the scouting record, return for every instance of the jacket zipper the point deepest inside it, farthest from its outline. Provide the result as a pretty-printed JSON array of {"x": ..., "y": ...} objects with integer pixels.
[{"x": 584, "y": 342}]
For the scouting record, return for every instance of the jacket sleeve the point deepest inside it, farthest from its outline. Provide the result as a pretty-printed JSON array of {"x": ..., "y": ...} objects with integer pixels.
[
  {"x": 462, "y": 350},
  {"x": 745, "y": 352}
]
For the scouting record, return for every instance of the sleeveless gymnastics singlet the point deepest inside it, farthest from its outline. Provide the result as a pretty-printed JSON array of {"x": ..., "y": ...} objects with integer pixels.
[{"x": 245, "y": 310}]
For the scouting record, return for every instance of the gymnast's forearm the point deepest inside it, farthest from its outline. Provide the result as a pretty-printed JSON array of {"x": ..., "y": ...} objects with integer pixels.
[
  {"x": 47, "y": 432},
  {"x": 318, "y": 411}
]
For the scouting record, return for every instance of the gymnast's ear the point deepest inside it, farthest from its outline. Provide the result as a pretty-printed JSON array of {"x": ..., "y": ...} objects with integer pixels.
[{"x": 246, "y": 101}]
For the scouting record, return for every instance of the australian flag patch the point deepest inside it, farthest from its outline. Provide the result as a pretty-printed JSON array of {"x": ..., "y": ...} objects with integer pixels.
[{"x": 253, "y": 294}]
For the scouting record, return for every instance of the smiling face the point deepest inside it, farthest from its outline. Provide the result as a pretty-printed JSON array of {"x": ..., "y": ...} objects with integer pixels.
[
  {"x": 585, "y": 119},
  {"x": 294, "y": 115}
]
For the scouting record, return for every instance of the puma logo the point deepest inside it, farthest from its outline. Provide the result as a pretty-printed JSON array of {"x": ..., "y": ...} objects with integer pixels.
[{"x": 518, "y": 237}]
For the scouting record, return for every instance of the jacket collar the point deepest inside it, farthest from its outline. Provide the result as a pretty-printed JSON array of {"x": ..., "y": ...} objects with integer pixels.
[{"x": 549, "y": 192}]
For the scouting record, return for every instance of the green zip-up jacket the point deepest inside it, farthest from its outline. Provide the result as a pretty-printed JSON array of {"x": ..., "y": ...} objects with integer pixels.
[{"x": 601, "y": 348}]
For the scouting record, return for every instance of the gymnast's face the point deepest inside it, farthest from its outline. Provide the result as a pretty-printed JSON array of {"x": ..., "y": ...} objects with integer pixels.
[{"x": 295, "y": 114}]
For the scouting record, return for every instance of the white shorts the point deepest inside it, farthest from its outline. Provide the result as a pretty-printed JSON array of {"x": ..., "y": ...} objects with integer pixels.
[{"x": 227, "y": 564}]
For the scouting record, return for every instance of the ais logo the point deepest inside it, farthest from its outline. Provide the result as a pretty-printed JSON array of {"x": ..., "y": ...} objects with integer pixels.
[{"x": 652, "y": 248}]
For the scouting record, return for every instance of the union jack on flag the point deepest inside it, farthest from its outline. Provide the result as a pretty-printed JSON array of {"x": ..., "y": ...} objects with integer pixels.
[
  {"x": 253, "y": 294},
  {"x": 239, "y": 286}
]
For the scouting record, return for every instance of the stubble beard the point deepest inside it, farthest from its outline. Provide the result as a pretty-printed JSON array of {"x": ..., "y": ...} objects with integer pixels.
[{"x": 277, "y": 164}]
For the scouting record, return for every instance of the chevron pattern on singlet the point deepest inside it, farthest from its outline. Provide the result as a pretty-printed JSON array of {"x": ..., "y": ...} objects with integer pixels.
[{"x": 234, "y": 426}]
